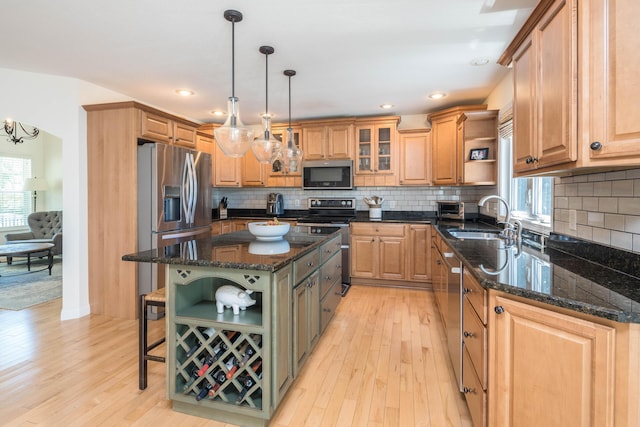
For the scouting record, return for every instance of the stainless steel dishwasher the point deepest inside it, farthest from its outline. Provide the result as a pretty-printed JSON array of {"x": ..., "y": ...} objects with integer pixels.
[{"x": 454, "y": 311}]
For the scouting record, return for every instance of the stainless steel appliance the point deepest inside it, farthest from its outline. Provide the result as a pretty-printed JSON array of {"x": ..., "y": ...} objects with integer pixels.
[
  {"x": 453, "y": 271},
  {"x": 174, "y": 203},
  {"x": 450, "y": 209},
  {"x": 327, "y": 175},
  {"x": 324, "y": 215},
  {"x": 275, "y": 204}
]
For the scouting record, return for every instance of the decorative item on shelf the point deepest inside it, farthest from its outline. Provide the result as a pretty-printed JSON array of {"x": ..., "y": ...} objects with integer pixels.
[
  {"x": 35, "y": 184},
  {"x": 479, "y": 154},
  {"x": 291, "y": 153},
  {"x": 11, "y": 129},
  {"x": 236, "y": 298},
  {"x": 268, "y": 230},
  {"x": 375, "y": 207},
  {"x": 266, "y": 147},
  {"x": 233, "y": 137}
]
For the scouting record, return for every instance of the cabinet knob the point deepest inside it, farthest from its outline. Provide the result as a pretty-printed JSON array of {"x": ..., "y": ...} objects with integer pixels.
[
  {"x": 467, "y": 390},
  {"x": 498, "y": 309},
  {"x": 467, "y": 290},
  {"x": 467, "y": 334},
  {"x": 595, "y": 145},
  {"x": 310, "y": 264}
]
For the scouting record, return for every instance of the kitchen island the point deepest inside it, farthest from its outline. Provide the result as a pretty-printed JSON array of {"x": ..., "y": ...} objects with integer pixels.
[{"x": 236, "y": 368}]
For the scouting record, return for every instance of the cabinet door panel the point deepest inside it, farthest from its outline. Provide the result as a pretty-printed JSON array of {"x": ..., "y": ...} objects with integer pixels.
[
  {"x": 523, "y": 107},
  {"x": 550, "y": 368},
  {"x": 557, "y": 100},
  {"x": 363, "y": 256},
  {"x": 612, "y": 63},
  {"x": 444, "y": 151},
  {"x": 392, "y": 258},
  {"x": 339, "y": 142},
  {"x": 313, "y": 142}
]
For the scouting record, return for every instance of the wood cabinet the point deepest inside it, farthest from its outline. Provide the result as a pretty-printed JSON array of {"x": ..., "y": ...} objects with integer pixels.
[
  {"x": 254, "y": 173},
  {"x": 419, "y": 256},
  {"x": 376, "y": 152},
  {"x": 113, "y": 131},
  {"x": 445, "y": 146},
  {"x": 477, "y": 143},
  {"x": 327, "y": 140},
  {"x": 206, "y": 144},
  {"x": 439, "y": 277},
  {"x": 549, "y": 368},
  {"x": 282, "y": 334},
  {"x": 306, "y": 319},
  {"x": 575, "y": 91},
  {"x": 162, "y": 127},
  {"x": 378, "y": 251},
  {"x": 415, "y": 157}
]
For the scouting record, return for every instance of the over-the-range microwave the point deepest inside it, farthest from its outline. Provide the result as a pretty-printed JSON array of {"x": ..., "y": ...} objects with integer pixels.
[{"x": 327, "y": 175}]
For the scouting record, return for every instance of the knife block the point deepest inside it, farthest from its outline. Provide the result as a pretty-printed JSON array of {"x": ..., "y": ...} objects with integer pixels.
[{"x": 222, "y": 211}]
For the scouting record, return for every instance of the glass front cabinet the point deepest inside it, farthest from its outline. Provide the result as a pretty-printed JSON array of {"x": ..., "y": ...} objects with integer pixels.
[{"x": 376, "y": 152}]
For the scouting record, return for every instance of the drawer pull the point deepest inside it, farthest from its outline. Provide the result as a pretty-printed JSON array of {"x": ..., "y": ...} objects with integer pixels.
[
  {"x": 467, "y": 290},
  {"x": 468, "y": 334},
  {"x": 310, "y": 264},
  {"x": 499, "y": 309}
]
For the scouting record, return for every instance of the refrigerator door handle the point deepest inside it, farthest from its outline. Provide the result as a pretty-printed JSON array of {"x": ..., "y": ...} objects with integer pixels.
[{"x": 189, "y": 188}]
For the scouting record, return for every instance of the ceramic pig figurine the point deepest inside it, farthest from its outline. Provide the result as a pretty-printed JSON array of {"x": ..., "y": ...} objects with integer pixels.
[{"x": 230, "y": 296}]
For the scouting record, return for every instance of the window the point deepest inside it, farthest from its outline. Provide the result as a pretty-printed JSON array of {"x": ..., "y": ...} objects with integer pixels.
[
  {"x": 530, "y": 198},
  {"x": 15, "y": 203}
]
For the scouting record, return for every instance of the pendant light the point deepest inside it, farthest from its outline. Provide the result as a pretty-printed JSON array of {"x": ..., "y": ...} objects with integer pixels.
[
  {"x": 266, "y": 147},
  {"x": 233, "y": 137},
  {"x": 291, "y": 154}
]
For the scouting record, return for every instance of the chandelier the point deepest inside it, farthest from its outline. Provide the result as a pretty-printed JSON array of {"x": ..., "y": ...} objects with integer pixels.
[
  {"x": 233, "y": 137},
  {"x": 12, "y": 129},
  {"x": 266, "y": 148},
  {"x": 291, "y": 154}
]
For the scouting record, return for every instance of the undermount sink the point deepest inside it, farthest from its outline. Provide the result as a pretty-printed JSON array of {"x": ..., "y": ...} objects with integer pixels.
[{"x": 475, "y": 234}]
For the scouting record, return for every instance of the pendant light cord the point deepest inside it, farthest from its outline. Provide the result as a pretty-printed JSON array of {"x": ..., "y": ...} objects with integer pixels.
[{"x": 233, "y": 59}]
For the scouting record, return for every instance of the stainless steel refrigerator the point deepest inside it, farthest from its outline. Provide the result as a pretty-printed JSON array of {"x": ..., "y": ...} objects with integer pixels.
[{"x": 174, "y": 204}]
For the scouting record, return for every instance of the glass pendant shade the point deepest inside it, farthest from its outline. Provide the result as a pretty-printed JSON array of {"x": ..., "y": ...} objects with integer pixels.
[
  {"x": 233, "y": 137},
  {"x": 291, "y": 154},
  {"x": 266, "y": 147}
]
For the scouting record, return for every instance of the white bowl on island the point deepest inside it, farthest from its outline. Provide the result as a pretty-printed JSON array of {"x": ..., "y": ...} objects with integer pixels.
[{"x": 268, "y": 230}]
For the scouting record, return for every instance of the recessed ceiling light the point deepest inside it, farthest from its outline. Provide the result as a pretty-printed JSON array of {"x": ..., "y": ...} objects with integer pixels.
[
  {"x": 437, "y": 95},
  {"x": 218, "y": 113},
  {"x": 387, "y": 106},
  {"x": 184, "y": 92},
  {"x": 479, "y": 61}
]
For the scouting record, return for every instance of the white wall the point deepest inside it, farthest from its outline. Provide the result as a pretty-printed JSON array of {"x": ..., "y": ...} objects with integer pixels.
[{"x": 54, "y": 104}]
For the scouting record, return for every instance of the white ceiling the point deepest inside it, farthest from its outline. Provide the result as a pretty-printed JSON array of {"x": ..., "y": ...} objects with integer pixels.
[{"x": 351, "y": 56}]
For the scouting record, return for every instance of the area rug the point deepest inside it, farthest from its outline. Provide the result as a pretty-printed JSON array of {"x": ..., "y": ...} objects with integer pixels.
[{"x": 20, "y": 289}]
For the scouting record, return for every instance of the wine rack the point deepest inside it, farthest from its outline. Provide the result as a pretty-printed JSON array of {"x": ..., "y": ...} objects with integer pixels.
[{"x": 226, "y": 366}]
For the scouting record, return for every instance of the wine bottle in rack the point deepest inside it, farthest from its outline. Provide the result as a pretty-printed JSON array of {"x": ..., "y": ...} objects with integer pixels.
[
  {"x": 233, "y": 367},
  {"x": 248, "y": 350},
  {"x": 220, "y": 378},
  {"x": 207, "y": 363},
  {"x": 204, "y": 391},
  {"x": 247, "y": 381},
  {"x": 208, "y": 333},
  {"x": 194, "y": 376}
]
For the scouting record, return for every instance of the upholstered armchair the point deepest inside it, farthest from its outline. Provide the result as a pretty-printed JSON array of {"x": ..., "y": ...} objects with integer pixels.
[{"x": 46, "y": 227}]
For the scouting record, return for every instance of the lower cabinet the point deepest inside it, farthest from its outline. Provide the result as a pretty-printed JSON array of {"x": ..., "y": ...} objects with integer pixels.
[
  {"x": 306, "y": 319},
  {"x": 548, "y": 368},
  {"x": 378, "y": 251}
]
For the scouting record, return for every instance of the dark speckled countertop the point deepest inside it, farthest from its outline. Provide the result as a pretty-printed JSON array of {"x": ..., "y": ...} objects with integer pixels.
[
  {"x": 249, "y": 253},
  {"x": 568, "y": 273}
]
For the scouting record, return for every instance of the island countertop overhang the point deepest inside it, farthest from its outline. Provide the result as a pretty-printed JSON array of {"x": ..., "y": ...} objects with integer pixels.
[{"x": 248, "y": 253}]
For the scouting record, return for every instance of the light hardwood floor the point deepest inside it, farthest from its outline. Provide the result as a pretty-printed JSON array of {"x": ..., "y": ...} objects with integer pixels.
[{"x": 381, "y": 362}]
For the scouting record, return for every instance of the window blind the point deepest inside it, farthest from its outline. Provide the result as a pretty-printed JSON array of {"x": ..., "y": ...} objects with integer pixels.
[{"x": 14, "y": 201}]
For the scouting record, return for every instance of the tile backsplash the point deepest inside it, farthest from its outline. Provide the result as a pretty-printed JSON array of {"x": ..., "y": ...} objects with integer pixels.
[
  {"x": 395, "y": 198},
  {"x": 602, "y": 208}
]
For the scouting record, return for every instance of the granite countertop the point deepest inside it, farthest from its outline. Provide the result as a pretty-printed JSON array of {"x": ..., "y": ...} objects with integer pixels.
[
  {"x": 564, "y": 274},
  {"x": 248, "y": 253},
  {"x": 425, "y": 217}
]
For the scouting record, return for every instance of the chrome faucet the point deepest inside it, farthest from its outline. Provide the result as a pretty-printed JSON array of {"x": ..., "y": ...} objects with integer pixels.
[{"x": 511, "y": 232}]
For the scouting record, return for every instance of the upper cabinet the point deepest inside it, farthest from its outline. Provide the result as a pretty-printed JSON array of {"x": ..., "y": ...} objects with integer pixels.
[
  {"x": 447, "y": 144},
  {"x": 415, "y": 153},
  {"x": 327, "y": 140},
  {"x": 575, "y": 87},
  {"x": 376, "y": 154},
  {"x": 165, "y": 128}
]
